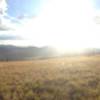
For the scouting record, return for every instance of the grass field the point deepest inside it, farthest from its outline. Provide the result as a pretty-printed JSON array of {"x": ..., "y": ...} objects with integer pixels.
[{"x": 70, "y": 78}]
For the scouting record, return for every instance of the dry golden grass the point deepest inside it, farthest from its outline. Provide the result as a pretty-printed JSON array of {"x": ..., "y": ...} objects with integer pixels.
[{"x": 70, "y": 78}]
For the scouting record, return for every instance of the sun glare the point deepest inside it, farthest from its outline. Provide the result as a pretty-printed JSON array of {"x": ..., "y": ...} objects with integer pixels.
[{"x": 67, "y": 27}]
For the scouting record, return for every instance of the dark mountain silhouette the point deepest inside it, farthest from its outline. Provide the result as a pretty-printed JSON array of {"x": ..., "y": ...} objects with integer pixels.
[{"x": 9, "y": 52}]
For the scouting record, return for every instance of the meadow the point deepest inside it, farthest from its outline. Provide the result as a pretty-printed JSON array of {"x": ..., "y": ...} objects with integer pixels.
[{"x": 66, "y": 78}]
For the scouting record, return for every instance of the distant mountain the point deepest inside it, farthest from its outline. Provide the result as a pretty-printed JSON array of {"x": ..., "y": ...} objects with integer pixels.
[{"x": 9, "y": 52}]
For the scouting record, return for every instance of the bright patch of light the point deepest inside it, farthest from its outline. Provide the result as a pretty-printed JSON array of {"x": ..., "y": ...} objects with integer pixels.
[{"x": 63, "y": 24}]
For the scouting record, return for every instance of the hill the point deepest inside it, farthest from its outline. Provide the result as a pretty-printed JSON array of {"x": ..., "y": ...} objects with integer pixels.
[{"x": 9, "y": 52}]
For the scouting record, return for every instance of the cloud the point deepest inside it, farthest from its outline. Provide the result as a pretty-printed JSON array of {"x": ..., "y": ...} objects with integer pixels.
[
  {"x": 10, "y": 22},
  {"x": 9, "y": 37},
  {"x": 4, "y": 28},
  {"x": 3, "y": 8},
  {"x": 5, "y": 21}
]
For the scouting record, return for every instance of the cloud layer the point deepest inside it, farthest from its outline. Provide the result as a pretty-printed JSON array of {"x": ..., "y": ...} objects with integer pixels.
[{"x": 9, "y": 37}]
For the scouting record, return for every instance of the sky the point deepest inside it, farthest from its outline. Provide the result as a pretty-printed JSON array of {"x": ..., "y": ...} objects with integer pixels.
[{"x": 60, "y": 23}]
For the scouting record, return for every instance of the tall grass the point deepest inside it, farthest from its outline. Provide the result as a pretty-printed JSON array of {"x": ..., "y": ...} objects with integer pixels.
[{"x": 69, "y": 78}]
